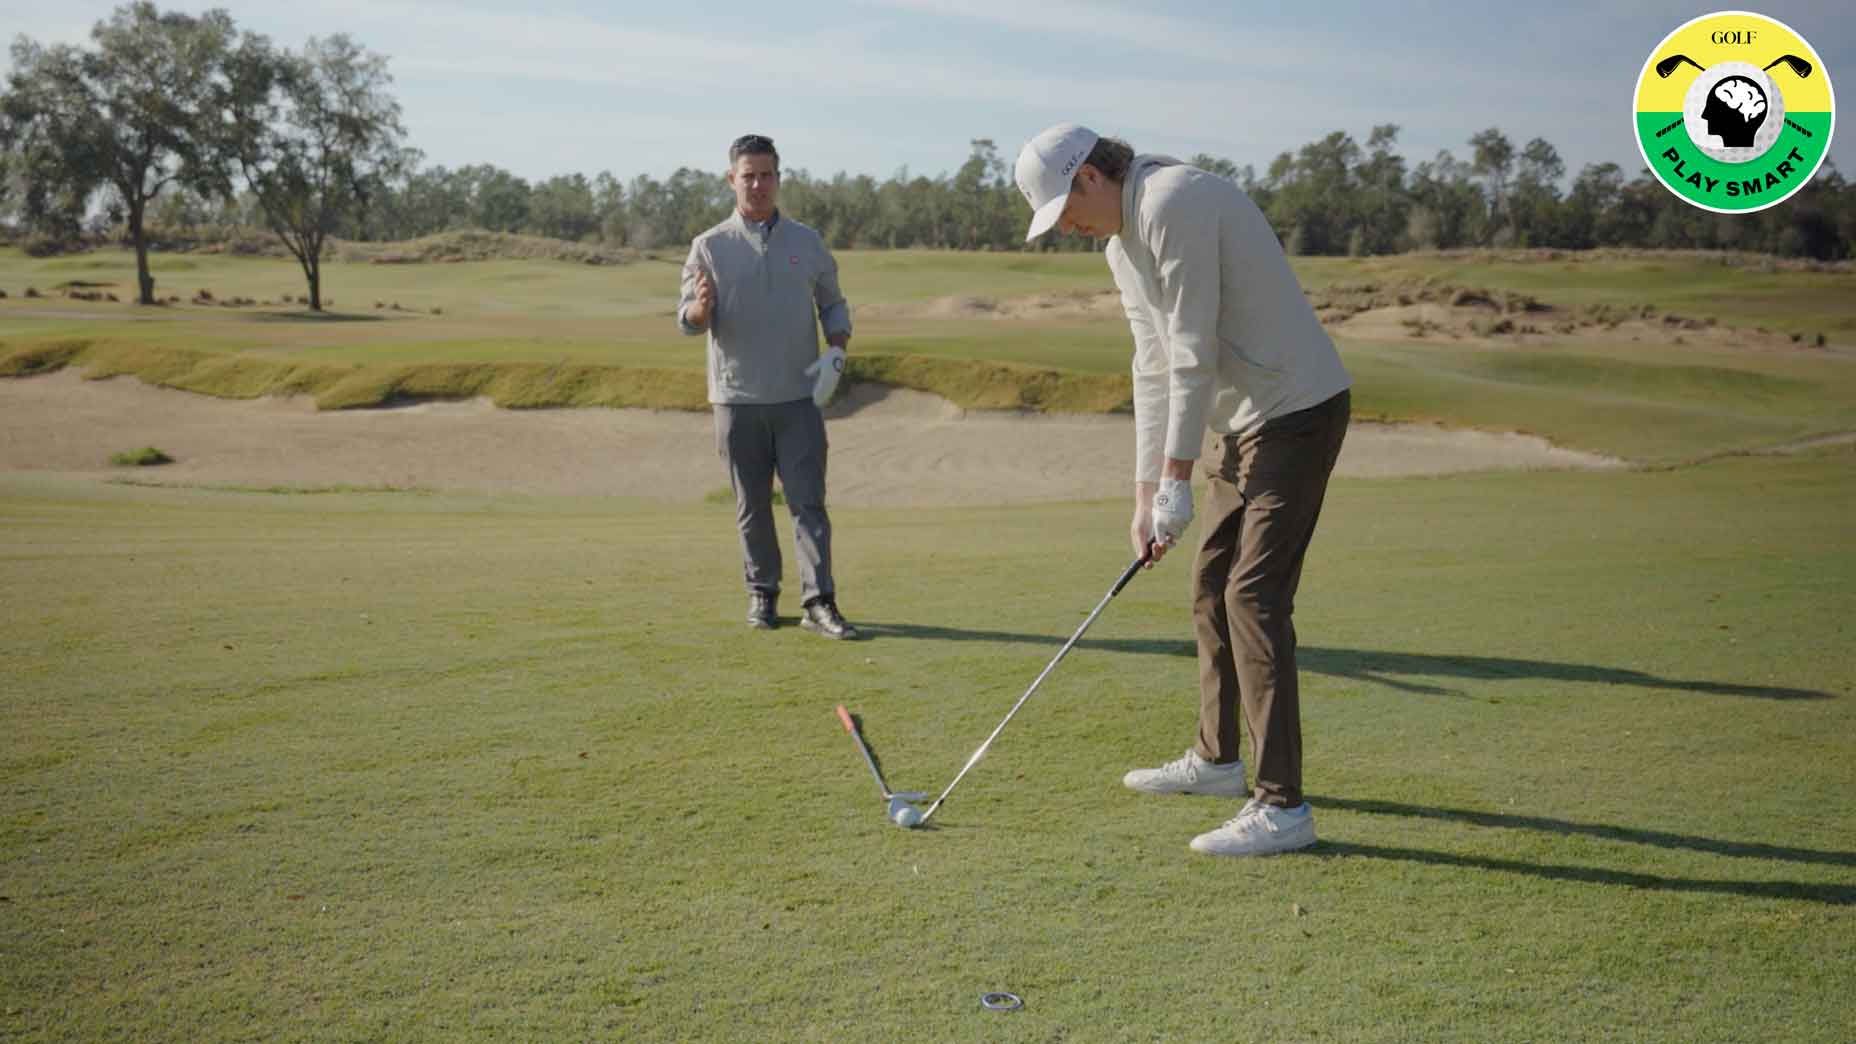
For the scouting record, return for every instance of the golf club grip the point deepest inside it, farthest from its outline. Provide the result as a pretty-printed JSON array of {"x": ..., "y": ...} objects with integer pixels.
[
  {"x": 1133, "y": 568},
  {"x": 845, "y": 717}
]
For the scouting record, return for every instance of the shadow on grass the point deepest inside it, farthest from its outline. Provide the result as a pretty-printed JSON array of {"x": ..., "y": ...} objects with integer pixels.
[
  {"x": 1602, "y": 831},
  {"x": 1383, "y": 668},
  {"x": 1834, "y": 894},
  {"x": 1395, "y": 670},
  {"x": 921, "y": 632},
  {"x": 315, "y": 317}
]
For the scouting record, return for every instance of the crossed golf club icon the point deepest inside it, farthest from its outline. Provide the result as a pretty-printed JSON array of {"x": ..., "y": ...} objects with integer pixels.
[{"x": 1799, "y": 67}]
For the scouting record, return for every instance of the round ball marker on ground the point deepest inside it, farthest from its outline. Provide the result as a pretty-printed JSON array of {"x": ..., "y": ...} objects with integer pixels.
[{"x": 1001, "y": 1001}]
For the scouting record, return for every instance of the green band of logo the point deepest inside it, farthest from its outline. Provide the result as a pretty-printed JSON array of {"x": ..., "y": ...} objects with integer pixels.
[{"x": 1700, "y": 178}]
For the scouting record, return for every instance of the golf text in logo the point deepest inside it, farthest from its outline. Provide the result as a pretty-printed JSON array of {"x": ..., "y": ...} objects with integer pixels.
[{"x": 1734, "y": 112}]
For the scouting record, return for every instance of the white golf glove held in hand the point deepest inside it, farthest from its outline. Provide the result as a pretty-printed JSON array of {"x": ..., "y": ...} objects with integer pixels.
[
  {"x": 1172, "y": 510},
  {"x": 825, "y": 371}
]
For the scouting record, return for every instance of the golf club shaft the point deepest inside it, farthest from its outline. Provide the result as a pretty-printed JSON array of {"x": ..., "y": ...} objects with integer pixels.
[
  {"x": 850, "y": 726},
  {"x": 1126, "y": 575}
]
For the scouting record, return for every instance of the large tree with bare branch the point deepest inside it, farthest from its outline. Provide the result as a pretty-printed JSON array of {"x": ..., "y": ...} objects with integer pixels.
[
  {"x": 314, "y": 135},
  {"x": 126, "y": 117}
]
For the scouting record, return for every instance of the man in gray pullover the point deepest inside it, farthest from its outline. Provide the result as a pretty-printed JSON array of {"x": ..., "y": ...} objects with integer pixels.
[
  {"x": 760, "y": 284},
  {"x": 1225, "y": 340}
]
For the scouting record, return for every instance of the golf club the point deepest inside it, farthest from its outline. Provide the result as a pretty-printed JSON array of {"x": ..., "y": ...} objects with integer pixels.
[
  {"x": 1126, "y": 575},
  {"x": 1668, "y": 65},
  {"x": 1799, "y": 67},
  {"x": 901, "y": 810}
]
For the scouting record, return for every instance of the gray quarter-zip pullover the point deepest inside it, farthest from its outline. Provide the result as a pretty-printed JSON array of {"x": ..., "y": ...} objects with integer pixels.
[{"x": 774, "y": 285}]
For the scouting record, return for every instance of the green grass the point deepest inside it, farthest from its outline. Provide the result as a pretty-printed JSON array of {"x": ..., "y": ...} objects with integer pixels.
[
  {"x": 1650, "y": 405},
  {"x": 147, "y": 456},
  {"x": 376, "y": 765}
]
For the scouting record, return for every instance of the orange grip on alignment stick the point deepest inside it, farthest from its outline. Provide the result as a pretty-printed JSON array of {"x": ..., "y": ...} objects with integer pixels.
[{"x": 845, "y": 717}]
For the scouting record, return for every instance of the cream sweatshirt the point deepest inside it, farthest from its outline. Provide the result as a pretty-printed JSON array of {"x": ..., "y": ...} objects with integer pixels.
[{"x": 1223, "y": 336}]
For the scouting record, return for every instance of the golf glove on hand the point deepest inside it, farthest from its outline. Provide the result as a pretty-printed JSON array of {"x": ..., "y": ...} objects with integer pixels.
[
  {"x": 825, "y": 371},
  {"x": 1172, "y": 510}
]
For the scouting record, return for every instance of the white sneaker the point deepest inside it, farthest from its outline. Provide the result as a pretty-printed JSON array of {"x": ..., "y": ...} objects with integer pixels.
[
  {"x": 1190, "y": 774},
  {"x": 1260, "y": 829}
]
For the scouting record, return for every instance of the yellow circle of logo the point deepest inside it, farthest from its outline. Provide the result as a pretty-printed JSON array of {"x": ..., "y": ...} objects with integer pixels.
[{"x": 1734, "y": 112}]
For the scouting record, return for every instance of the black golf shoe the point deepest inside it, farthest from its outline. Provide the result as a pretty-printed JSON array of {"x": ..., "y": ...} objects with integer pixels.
[
  {"x": 761, "y": 610},
  {"x": 822, "y": 618}
]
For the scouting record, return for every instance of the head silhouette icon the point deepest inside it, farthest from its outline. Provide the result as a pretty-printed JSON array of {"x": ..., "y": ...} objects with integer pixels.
[{"x": 1736, "y": 108}]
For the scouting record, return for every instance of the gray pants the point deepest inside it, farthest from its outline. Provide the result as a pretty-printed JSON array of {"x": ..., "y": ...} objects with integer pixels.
[{"x": 788, "y": 438}]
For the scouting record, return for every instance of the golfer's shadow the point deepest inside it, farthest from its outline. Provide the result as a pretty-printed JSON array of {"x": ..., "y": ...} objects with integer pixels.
[
  {"x": 1406, "y": 672},
  {"x": 1394, "y": 669},
  {"x": 1836, "y": 894}
]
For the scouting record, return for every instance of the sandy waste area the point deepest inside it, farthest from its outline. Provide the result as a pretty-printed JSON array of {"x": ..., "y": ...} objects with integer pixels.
[{"x": 889, "y": 447}]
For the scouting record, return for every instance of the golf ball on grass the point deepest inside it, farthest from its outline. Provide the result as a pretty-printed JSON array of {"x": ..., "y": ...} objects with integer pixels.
[{"x": 907, "y": 816}]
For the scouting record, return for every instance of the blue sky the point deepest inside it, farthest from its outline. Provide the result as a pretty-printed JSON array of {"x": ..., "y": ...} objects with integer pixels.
[{"x": 874, "y": 86}]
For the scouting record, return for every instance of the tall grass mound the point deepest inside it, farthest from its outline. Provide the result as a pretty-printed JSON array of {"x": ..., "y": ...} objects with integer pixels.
[
  {"x": 475, "y": 244},
  {"x": 146, "y": 457},
  {"x": 969, "y": 384},
  {"x": 336, "y": 387},
  {"x": 35, "y": 359},
  {"x": 518, "y": 386},
  {"x": 976, "y": 385}
]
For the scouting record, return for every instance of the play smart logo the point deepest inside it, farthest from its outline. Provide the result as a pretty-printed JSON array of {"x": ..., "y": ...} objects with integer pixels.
[{"x": 1734, "y": 112}]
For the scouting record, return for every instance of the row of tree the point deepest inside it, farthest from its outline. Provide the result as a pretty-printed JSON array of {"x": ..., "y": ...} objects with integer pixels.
[
  {"x": 172, "y": 103},
  {"x": 175, "y": 122},
  {"x": 1332, "y": 196}
]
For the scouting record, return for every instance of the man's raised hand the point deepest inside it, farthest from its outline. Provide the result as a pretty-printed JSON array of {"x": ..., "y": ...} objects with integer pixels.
[{"x": 697, "y": 314}]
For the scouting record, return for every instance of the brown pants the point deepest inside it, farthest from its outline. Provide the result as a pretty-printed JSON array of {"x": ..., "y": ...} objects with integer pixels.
[{"x": 1264, "y": 499}]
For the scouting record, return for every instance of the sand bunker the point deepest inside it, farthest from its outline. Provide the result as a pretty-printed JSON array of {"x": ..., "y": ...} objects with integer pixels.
[{"x": 889, "y": 447}]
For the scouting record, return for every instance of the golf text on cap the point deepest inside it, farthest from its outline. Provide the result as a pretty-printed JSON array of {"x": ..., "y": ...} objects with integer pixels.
[
  {"x": 1734, "y": 112},
  {"x": 1044, "y": 170},
  {"x": 1068, "y": 169}
]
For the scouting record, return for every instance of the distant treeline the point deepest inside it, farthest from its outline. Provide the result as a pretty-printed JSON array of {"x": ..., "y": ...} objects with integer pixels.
[
  {"x": 170, "y": 126},
  {"x": 1332, "y": 196}
]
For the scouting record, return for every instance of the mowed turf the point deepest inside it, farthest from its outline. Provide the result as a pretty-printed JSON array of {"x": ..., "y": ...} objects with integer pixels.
[{"x": 434, "y": 767}]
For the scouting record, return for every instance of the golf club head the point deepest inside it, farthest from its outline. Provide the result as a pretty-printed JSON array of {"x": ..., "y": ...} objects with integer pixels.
[
  {"x": 1799, "y": 67},
  {"x": 902, "y": 813},
  {"x": 1668, "y": 65}
]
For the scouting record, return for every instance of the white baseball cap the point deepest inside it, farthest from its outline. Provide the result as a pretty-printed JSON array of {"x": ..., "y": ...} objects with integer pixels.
[{"x": 1045, "y": 168}]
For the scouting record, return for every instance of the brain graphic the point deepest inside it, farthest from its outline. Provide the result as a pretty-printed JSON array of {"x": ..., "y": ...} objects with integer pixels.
[{"x": 1743, "y": 97}]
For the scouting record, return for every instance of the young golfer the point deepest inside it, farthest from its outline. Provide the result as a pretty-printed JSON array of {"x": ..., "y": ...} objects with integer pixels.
[{"x": 1223, "y": 339}]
